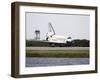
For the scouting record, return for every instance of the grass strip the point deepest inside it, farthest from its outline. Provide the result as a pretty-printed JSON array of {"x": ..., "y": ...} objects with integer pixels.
[{"x": 58, "y": 53}]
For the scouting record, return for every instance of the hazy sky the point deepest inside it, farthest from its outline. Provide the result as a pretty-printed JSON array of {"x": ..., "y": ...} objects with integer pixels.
[{"x": 75, "y": 26}]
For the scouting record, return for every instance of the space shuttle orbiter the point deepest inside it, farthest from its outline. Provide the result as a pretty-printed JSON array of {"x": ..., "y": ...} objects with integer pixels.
[{"x": 52, "y": 37}]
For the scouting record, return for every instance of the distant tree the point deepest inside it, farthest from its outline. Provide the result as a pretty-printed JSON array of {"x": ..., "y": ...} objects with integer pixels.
[{"x": 80, "y": 43}]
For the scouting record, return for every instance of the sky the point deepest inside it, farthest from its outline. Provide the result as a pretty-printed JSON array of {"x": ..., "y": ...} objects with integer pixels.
[{"x": 69, "y": 25}]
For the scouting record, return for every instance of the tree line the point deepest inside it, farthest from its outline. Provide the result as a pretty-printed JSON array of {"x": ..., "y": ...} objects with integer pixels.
[
  {"x": 79, "y": 43},
  {"x": 73, "y": 43}
]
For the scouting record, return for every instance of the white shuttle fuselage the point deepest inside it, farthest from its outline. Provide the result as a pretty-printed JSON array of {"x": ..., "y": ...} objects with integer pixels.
[{"x": 57, "y": 38}]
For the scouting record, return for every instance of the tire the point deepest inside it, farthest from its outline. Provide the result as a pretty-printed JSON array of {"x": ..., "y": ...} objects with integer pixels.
[{"x": 69, "y": 44}]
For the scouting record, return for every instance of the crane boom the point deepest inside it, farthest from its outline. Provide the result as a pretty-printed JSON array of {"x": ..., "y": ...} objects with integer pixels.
[{"x": 51, "y": 29}]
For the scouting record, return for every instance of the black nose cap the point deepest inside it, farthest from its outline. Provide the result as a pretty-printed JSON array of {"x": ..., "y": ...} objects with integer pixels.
[{"x": 69, "y": 38}]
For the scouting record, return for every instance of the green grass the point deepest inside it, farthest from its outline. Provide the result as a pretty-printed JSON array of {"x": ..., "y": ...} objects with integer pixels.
[{"x": 58, "y": 53}]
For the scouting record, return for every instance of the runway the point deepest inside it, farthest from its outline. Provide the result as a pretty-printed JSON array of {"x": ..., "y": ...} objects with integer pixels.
[{"x": 57, "y": 48}]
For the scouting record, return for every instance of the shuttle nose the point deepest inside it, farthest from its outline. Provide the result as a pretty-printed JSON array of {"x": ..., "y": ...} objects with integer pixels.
[{"x": 69, "y": 39}]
